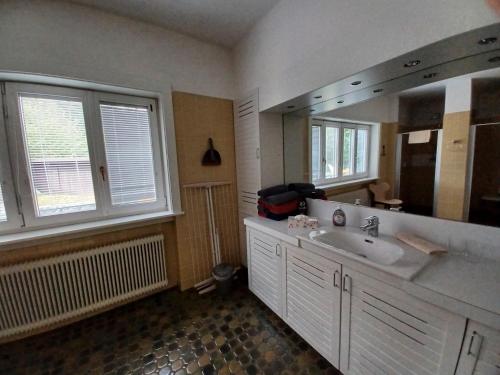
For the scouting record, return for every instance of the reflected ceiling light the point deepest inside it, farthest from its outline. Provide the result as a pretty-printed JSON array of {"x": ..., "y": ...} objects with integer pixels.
[
  {"x": 355, "y": 83},
  {"x": 318, "y": 96},
  {"x": 311, "y": 110},
  {"x": 486, "y": 41},
  {"x": 291, "y": 106},
  {"x": 340, "y": 102},
  {"x": 430, "y": 75},
  {"x": 378, "y": 90},
  {"x": 412, "y": 63},
  {"x": 494, "y": 59}
]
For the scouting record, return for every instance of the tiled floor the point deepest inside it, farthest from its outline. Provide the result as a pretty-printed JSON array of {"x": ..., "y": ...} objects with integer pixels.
[{"x": 170, "y": 333}]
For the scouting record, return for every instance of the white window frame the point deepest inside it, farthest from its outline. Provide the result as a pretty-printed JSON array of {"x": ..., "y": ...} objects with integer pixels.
[
  {"x": 12, "y": 136},
  {"x": 341, "y": 125},
  {"x": 161, "y": 201},
  {"x": 14, "y": 219},
  {"x": 19, "y": 158}
]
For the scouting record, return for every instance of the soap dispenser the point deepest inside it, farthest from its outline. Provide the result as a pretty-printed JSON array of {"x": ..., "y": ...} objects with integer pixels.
[{"x": 338, "y": 217}]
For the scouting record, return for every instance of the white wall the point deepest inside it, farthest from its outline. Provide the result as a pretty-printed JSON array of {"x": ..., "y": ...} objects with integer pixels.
[
  {"x": 63, "y": 39},
  {"x": 303, "y": 45}
]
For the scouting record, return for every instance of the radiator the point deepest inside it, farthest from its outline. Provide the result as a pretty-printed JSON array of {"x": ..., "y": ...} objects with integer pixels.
[{"x": 48, "y": 291}]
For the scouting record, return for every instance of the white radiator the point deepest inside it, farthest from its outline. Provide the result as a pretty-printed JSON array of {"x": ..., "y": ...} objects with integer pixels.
[{"x": 48, "y": 291}]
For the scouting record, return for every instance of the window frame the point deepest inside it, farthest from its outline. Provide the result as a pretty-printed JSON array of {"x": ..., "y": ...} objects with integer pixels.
[
  {"x": 156, "y": 146},
  {"x": 14, "y": 218},
  {"x": 340, "y": 125},
  {"x": 15, "y": 155},
  {"x": 19, "y": 162}
]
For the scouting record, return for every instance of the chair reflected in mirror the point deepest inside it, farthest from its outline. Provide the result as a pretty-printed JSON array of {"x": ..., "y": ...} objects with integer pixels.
[{"x": 379, "y": 191}]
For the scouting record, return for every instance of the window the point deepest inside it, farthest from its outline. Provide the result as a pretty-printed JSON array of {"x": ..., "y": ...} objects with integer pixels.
[
  {"x": 79, "y": 155},
  {"x": 57, "y": 154},
  {"x": 339, "y": 151}
]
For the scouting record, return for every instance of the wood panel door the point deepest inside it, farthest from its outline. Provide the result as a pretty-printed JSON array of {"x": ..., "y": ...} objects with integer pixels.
[
  {"x": 481, "y": 351},
  {"x": 313, "y": 300},
  {"x": 265, "y": 269},
  {"x": 385, "y": 331}
]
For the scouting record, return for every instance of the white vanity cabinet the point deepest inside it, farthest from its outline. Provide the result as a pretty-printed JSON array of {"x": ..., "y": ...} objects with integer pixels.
[
  {"x": 265, "y": 269},
  {"x": 480, "y": 352},
  {"x": 386, "y": 331},
  {"x": 312, "y": 295}
]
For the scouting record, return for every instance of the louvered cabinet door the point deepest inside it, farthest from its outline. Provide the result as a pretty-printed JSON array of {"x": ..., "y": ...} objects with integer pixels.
[
  {"x": 481, "y": 351},
  {"x": 265, "y": 269},
  {"x": 385, "y": 331},
  {"x": 313, "y": 300},
  {"x": 247, "y": 147}
]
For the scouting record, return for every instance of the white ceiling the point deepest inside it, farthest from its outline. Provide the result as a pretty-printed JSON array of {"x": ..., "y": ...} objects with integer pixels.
[{"x": 223, "y": 22}]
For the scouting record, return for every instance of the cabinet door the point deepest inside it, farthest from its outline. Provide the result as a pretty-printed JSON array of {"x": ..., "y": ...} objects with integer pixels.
[
  {"x": 386, "y": 331},
  {"x": 313, "y": 300},
  {"x": 265, "y": 269},
  {"x": 481, "y": 351}
]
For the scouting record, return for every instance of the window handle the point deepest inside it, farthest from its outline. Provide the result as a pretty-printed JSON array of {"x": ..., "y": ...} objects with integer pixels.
[{"x": 103, "y": 173}]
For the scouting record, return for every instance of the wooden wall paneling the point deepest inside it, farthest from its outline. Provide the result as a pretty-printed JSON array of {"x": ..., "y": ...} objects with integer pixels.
[
  {"x": 198, "y": 118},
  {"x": 454, "y": 157}
]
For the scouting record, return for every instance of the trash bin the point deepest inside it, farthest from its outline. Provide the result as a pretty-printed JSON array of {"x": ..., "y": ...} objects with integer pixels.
[{"x": 223, "y": 275}]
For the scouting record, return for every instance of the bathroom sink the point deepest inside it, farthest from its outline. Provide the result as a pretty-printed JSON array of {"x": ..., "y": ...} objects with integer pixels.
[{"x": 382, "y": 251}]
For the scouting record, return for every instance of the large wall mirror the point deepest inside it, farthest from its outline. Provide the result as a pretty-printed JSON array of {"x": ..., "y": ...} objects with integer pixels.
[{"x": 425, "y": 142}]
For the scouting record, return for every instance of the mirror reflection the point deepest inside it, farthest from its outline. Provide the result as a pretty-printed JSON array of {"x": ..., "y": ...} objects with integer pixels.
[{"x": 433, "y": 150}]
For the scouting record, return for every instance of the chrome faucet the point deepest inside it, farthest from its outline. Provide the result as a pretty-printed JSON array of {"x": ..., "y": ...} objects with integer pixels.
[{"x": 371, "y": 226}]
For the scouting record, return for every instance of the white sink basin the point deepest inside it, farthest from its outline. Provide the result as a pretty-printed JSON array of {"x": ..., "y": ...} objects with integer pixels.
[{"x": 377, "y": 250}]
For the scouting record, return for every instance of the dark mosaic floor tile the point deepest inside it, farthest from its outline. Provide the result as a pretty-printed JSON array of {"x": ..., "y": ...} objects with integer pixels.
[{"x": 169, "y": 334}]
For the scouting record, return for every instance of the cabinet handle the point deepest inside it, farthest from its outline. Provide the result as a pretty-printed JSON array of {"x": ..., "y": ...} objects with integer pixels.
[
  {"x": 278, "y": 249},
  {"x": 347, "y": 284},
  {"x": 336, "y": 284},
  {"x": 471, "y": 343}
]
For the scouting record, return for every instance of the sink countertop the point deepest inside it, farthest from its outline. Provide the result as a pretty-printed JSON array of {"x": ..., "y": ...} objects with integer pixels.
[{"x": 472, "y": 280}]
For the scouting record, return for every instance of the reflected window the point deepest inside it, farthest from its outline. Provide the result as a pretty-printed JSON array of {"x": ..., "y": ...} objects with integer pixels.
[{"x": 339, "y": 151}]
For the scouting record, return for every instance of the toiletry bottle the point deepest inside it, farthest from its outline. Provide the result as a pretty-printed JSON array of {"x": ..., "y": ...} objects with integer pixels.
[{"x": 339, "y": 217}]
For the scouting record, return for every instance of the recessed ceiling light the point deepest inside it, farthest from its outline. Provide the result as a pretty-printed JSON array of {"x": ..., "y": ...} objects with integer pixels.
[
  {"x": 486, "y": 41},
  {"x": 412, "y": 63},
  {"x": 291, "y": 106},
  {"x": 355, "y": 83},
  {"x": 340, "y": 101},
  {"x": 494, "y": 59},
  {"x": 318, "y": 96},
  {"x": 430, "y": 75},
  {"x": 311, "y": 110},
  {"x": 378, "y": 90}
]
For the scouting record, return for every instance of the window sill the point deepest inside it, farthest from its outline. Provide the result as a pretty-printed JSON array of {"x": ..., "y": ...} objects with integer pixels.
[
  {"x": 347, "y": 183},
  {"x": 7, "y": 240}
]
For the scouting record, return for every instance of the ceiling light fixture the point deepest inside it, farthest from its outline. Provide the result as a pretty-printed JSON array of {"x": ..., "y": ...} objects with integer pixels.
[
  {"x": 355, "y": 83},
  {"x": 430, "y": 75},
  {"x": 291, "y": 106},
  {"x": 340, "y": 102},
  {"x": 494, "y": 59},
  {"x": 378, "y": 90},
  {"x": 412, "y": 63},
  {"x": 318, "y": 96},
  {"x": 486, "y": 41},
  {"x": 311, "y": 110}
]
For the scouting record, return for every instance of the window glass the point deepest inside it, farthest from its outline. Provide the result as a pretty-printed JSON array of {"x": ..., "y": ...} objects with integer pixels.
[
  {"x": 362, "y": 149},
  {"x": 316, "y": 152},
  {"x": 57, "y": 155},
  {"x": 3, "y": 214},
  {"x": 331, "y": 152},
  {"x": 129, "y": 154},
  {"x": 348, "y": 152}
]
